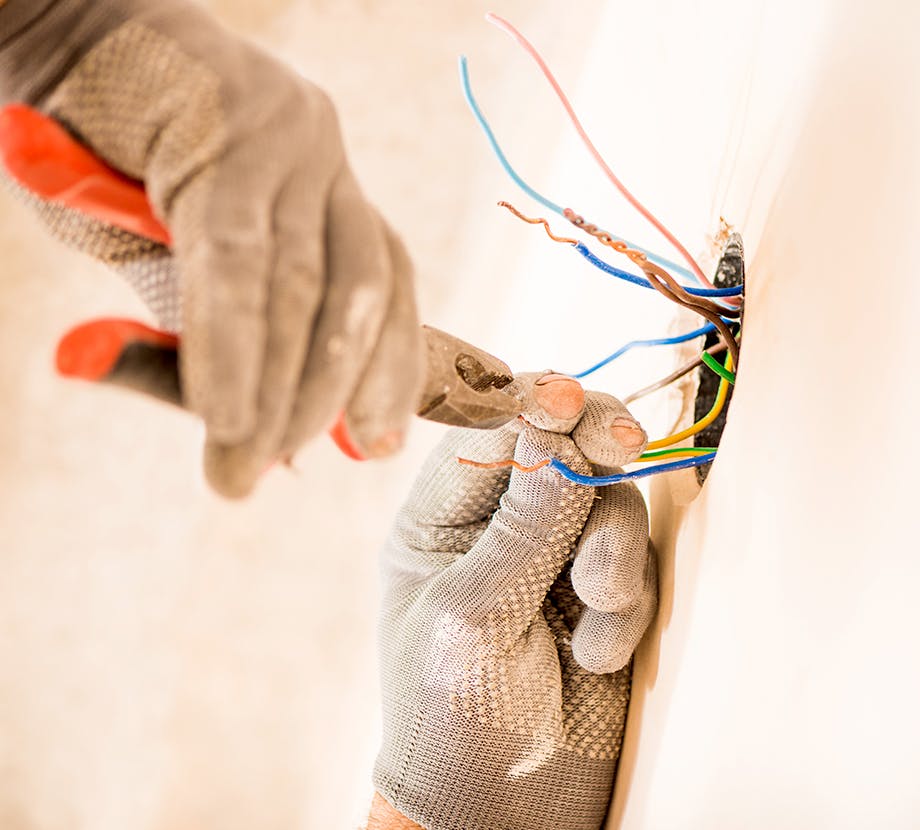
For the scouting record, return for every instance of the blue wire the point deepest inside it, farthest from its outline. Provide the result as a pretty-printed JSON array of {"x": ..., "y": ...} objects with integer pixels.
[
  {"x": 735, "y": 291},
  {"x": 600, "y": 481},
  {"x": 658, "y": 341},
  {"x": 493, "y": 142}
]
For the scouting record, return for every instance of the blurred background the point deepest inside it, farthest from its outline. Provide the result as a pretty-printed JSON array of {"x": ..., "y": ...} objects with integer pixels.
[{"x": 171, "y": 660}]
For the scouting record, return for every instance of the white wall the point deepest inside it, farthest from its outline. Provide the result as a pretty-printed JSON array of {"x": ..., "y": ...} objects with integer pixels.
[{"x": 779, "y": 688}]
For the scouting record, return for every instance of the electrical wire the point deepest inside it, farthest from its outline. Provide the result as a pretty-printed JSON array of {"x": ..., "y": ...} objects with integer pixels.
[
  {"x": 695, "y": 460},
  {"x": 641, "y": 260},
  {"x": 713, "y": 317},
  {"x": 679, "y": 451},
  {"x": 498, "y": 465},
  {"x": 503, "y": 24},
  {"x": 665, "y": 284},
  {"x": 717, "y": 367},
  {"x": 516, "y": 178},
  {"x": 658, "y": 341},
  {"x": 704, "y": 422},
  {"x": 657, "y": 277},
  {"x": 673, "y": 290},
  {"x": 718, "y": 348},
  {"x": 493, "y": 141},
  {"x": 607, "y": 268},
  {"x": 538, "y": 221},
  {"x": 602, "y": 481}
]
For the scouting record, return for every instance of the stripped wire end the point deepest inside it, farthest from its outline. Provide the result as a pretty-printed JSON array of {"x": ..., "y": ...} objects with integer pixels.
[
  {"x": 510, "y": 462},
  {"x": 528, "y": 47},
  {"x": 601, "y": 236},
  {"x": 538, "y": 221}
]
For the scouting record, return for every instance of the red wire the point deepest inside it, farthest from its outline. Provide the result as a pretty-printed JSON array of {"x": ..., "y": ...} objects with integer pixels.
[{"x": 505, "y": 26}]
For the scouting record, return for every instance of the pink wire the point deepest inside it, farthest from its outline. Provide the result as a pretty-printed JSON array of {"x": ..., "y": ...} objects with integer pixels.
[{"x": 504, "y": 25}]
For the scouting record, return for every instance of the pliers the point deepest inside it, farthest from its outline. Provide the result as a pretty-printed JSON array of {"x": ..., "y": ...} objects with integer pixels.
[{"x": 463, "y": 385}]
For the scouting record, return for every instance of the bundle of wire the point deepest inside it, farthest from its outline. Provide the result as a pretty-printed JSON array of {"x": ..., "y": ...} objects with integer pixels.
[{"x": 718, "y": 306}]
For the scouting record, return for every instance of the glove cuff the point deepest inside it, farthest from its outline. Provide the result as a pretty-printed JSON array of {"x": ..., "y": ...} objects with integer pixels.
[{"x": 384, "y": 816}]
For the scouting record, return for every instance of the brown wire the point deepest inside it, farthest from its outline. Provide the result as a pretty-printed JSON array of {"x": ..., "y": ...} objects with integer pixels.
[
  {"x": 713, "y": 317},
  {"x": 660, "y": 279},
  {"x": 498, "y": 465},
  {"x": 718, "y": 348},
  {"x": 643, "y": 262},
  {"x": 664, "y": 283},
  {"x": 538, "y": 221}
]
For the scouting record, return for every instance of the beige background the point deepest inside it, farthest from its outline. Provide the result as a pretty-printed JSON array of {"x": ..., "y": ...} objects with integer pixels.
[{"x": 172, "y": 661}]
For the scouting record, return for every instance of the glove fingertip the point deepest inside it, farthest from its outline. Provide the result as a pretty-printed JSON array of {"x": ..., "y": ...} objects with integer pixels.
[
  {"x": 231, "y": 471},
  {"x": 599, "y": 662},
  {"x": 226, "y": 425}
]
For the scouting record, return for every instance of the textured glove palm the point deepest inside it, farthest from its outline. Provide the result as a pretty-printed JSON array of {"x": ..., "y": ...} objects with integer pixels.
[{"x": 506, "y": 667}]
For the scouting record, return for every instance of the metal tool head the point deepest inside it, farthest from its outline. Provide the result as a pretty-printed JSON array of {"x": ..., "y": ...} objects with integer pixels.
[{"x": 463, "y": 384}]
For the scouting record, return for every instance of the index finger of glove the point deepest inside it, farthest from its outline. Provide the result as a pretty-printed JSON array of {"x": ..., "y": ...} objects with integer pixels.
[
  {"x": 501, "y": 584},
  {"x": 222, "y": 233},
  {"x": 295, "y": 285}
]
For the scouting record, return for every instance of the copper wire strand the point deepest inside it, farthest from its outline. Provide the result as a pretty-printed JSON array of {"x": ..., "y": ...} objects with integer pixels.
[
  {"x": 538, "y": 221},
  {"x": 641, "y": 260},
  {"x": 664, "y": 283},
  {"x": 638, "y": 257},
  {"x": 659, "y": 278},
  {"x": 498, "y": 465},
  {"x": 718, "y": 348}
]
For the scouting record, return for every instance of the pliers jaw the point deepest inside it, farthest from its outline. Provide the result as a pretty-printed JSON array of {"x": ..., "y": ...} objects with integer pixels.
[{"x": 464, "y": 385}]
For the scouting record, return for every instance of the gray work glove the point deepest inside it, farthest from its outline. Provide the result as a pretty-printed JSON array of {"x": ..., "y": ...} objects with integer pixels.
[
  {"x": 293, "y": 297},
  {"x": 512, "y": 606}
]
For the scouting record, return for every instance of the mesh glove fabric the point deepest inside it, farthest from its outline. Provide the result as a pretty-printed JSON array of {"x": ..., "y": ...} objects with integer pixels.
[
  {"x": 512, "y": 605},
  {"x": 293, "y": 297}
]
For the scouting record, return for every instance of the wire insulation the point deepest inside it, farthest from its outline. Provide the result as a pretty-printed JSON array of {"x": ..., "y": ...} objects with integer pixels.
[
  {"x": 493, "y": 141},
  {"x": 718, "y": 348},
  {"x": 602, "y": 481},
  {"x": 717, "y": 367},
  {"x": 640, "y": 259},
  {"x": 607, "y": 268},
  {"x": 679, "y": 451},
  {"x": 516, "y": 178},
  {"x": 531, "y": 50},
  {"x": 704, "y": 422},
  {"x": 658, "y": 341}
]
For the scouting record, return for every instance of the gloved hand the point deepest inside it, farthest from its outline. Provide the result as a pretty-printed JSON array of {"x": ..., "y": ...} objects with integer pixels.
[
  {"x": 293, "y": 297},
  {"x": 506, "y": 661}
]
